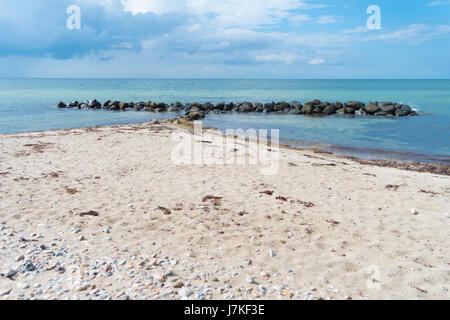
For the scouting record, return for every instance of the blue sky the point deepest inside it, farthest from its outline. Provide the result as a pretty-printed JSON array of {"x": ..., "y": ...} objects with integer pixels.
[{"x": 225, "y": 39}]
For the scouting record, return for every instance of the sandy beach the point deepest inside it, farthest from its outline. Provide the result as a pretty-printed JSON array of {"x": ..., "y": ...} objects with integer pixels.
[{"x": 104, "y": 213}]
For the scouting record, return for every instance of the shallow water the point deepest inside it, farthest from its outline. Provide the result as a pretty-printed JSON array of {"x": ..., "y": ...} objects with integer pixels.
[{"x": 26, "y": 105}]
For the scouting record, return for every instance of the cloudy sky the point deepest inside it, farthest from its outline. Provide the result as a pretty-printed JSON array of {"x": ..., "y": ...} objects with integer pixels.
[{"x": 225, "y": 39}]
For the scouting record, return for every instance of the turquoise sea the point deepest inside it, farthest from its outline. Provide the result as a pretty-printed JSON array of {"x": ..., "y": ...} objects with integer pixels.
[{"x": 26, "y": 105}]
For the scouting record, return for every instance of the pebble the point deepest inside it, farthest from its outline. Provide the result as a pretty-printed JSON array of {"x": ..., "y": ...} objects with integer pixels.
[
  {"x": 414, "y": 212},
  {"x": 250, "y": 279},
  {"x": 5, "y": 292},
  {"x": 185, "y": 292},
  {"x": 22, "y": 285},
  {"x": 272, "y": 253}
]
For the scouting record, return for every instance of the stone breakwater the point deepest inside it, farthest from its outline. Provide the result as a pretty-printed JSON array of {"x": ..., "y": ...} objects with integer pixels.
[{"x": 196, "y": 111}]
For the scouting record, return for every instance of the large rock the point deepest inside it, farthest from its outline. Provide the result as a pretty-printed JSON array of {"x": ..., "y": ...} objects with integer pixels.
[
  {"x": 296, "y": 107},
  {"x": 114, "y": 105},
  {"x": 372, "y": 108},
  {"x": 173, "y": 108},
  {"x": 123, "y": 106},
  {"x": 308, "y": 108},
  {"x": 329, "y": 109},
  {"x": 355, "y": 105},
  {"x": 139, "y": 106},
  {"x": 94, "y": 104},
  {"x": 196, "y": 115},
  {"x": 73, "y": 104},
  {"x": 349, "y": 110},
  {"x": 245, "y": 107},
  {"x": 281, "y": 106},
  {"x": 389, "y": 109},
  {"x": 220, "y": 106},
  {"x": 62, "y": 105}
]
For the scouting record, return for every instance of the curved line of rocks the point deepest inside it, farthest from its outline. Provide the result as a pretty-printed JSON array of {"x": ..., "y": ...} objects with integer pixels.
[{"x": 196, "y": 111}]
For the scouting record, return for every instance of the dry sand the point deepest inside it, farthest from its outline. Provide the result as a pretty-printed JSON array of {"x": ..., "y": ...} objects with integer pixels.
[{"x": 332, "y": 229}]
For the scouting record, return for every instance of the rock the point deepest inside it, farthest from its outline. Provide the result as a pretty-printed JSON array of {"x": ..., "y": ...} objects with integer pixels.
[
  {"x": 196, "y": 115},
  {"x": 185, "y": 292},
  {"x": 381, "y": 113},
  {"x": 28, "y": 267},
  {"x": 250, "y": 279},
  {"x": 73, "y": 104},
  {"x": 123, "y": 106},
  {"x": 22, "y": 286},
  {"x": 406, "y": 109},
  {"x": 5, "y": 292},
  {"x": 114, "y": 105},
  {"x": 61, "y": 105},
  {"x": 349, "y": 110},
  {"x": 329, "y": 109},
  {"x": 296, "y": 107},
  {"x": 106, "y": 104},
  {"x": 389, "y": 109},
  {"x": 372, "y": 108},
  {"x": 272, "y": 253},
  {"x": 281, "y": 107},
  {"x": 159, "y": 278},
  {"x": 172, "y": 108},
  {"x": 356, "y": 105},
  {"x": 414, "y": 212},
  {"x": 400, "y": 113},
  {"x": 139, "y": 106},
  {"x": 94, "y": 104},
  {"x": 340, "y": 111},
  {"x": 308, "y": 108},
  {"x": 9, "y": 273},
  {"x": 245, "y": 107},
  {"x": 178, "y": 285}
]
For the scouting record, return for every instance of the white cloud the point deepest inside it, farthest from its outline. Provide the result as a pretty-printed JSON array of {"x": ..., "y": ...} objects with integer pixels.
[
  {"x": 415, "y": 34},
  {"x": 327, "y": 20},
  {"x": 438, "y": 3},
  {"x": 355, "y": 30},
  {"x": 287, "y": 58},
  {"x": 317, "y": 61},
  {"x": 227, "y": 13}
]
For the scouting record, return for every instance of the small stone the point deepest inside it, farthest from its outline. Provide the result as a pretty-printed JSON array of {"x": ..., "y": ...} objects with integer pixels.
[
  {"x": 250, "y": 279},
  {"x": 22, "y": 285},
  {"x": 9, "y": 273},
  {"x": 264, "y": 274},
  {"x": 414, "y": 212},
  {"x": 159, "y": 278},
  {"x": 5, "y": 292},
  {"x": 262, "y": 290},
  {"x": 272, "y": 253},
  {"x": 75, "y": 230},
  {"x": 185, "y": 292},
  {"x": 178, "y": 285}
]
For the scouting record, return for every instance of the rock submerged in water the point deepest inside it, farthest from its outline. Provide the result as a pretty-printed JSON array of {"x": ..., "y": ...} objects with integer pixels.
[{"x": 196, "y": 111}]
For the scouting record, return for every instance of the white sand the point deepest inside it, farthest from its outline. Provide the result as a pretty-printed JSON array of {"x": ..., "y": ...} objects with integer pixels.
[{"x": 357, "y": 226}]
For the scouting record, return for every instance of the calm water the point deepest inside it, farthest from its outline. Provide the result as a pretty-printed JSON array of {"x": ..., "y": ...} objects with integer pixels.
[{"x": 25, "y": 105}]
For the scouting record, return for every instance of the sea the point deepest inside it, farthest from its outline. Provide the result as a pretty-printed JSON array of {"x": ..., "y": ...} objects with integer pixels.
[{"x": 29, "y": 105}]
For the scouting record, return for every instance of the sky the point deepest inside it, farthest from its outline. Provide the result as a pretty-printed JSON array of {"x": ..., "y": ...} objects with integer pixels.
[{"x": 250, "y": 39}]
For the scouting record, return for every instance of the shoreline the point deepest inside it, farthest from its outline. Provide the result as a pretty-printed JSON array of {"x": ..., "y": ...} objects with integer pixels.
[
  {"x": 103, "y": 213},
  {"x": 405, "y": 164}
]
